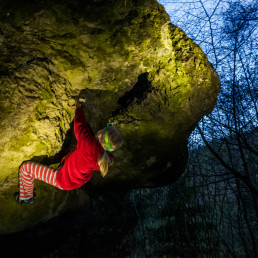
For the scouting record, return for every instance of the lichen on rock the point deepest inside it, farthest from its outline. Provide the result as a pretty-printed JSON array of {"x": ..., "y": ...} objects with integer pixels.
[{"x": 131, "y": 64}]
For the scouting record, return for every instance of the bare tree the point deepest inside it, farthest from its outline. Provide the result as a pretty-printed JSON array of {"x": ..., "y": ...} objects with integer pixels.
[
  {"x": 223, "y": 161},
  {"x": 212, "y": 210}
]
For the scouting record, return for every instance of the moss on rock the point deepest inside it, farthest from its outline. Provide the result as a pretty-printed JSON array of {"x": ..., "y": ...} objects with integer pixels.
[{"x": 134, "y": 68}]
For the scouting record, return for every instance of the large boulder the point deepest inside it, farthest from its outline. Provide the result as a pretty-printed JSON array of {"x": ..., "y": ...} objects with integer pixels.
[{"x": 131, "y": 64}]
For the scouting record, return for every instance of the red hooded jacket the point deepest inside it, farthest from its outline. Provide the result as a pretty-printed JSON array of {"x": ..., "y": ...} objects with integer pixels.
[{"x": 83, "y": 160}]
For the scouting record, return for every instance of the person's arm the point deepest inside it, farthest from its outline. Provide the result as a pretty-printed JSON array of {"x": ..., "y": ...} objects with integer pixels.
[
  {"x": 82, "y": 129},
  {"x": 86, "y": 140}
]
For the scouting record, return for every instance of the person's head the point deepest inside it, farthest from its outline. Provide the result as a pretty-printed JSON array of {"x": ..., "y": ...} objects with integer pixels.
[{"x": 110, "y": 139}]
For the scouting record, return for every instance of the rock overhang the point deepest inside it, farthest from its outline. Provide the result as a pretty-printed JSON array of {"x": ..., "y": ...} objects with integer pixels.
[{"x": 131, "y": 64}]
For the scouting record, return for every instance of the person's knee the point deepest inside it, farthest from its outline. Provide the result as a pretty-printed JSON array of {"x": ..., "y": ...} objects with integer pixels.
[{"x": 23, "y": 166}]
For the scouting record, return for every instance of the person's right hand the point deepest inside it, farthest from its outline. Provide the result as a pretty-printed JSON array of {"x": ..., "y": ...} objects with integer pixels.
[{"x": 77, "y": 103}]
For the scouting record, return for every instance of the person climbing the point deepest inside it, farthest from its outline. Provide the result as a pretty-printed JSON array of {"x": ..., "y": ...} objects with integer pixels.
[{"x": 91, "y": 153}]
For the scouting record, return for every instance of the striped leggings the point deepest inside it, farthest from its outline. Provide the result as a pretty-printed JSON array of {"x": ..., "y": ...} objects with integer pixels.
[{"x": 30, "y": 170}]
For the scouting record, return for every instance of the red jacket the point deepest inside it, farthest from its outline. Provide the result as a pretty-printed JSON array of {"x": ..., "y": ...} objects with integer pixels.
[{"x": 81, "y": 163}]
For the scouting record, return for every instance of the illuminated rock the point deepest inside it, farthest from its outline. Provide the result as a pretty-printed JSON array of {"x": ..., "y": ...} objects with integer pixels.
[{"x": 134, "y": 68}]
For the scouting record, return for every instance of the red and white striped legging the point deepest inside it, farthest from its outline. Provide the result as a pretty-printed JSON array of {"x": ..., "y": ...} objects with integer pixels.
[{"x": 30, "y": 170}]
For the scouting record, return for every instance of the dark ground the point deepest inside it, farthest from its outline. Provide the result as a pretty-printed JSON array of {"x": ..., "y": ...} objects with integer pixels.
[{"x": 98, "y": 232}]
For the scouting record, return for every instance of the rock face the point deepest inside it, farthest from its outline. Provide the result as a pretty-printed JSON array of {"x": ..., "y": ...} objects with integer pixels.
[{"x": 132, "y": 65}]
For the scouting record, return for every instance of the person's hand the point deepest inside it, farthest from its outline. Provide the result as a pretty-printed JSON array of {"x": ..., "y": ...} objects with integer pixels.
[
  {"x": 77, "y": 103},
  {"x": 82, "y": 101}
]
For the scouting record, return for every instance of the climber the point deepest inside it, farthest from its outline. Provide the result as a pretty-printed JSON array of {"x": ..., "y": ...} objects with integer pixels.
[{"x": 92, "y": 152}]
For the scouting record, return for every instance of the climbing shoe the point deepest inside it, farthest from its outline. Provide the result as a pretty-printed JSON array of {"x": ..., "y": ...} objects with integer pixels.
[{"x": 29, "y": 201}]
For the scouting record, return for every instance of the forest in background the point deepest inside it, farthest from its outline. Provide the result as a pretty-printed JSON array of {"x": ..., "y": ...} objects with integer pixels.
[{"x": 212, "y": 210}]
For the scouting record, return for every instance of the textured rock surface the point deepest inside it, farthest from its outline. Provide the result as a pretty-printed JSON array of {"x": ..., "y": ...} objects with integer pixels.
[{"x": 134, "y": 68}]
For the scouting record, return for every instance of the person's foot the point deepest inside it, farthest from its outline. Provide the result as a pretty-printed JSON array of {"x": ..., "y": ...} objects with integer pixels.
[{"x": 29, "y": 201}]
